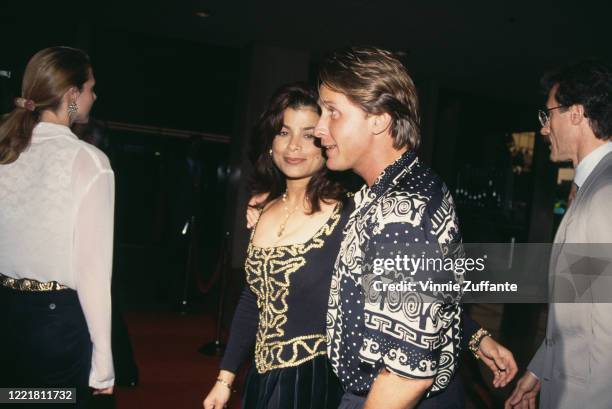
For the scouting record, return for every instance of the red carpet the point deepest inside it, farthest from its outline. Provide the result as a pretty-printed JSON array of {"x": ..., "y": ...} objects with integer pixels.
[{"x": 172, "y": 372}]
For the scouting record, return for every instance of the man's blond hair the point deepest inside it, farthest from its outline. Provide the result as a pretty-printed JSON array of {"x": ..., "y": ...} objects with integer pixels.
[{"x": 376, "y": 80}]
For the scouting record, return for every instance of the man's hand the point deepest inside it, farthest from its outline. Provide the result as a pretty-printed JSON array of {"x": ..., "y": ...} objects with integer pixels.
[
  {"x": 525, "y": 394},
  {"x": 391, "y": 391},
  {"x": 253, "y": 212},
  {"x": 499, "y": 359}
]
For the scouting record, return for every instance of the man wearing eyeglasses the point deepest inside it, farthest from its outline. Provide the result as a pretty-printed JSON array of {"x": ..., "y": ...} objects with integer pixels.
[{"x": 573, "y": 366}]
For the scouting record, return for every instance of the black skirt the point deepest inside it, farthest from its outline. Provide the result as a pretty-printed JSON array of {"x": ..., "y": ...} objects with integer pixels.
[
  {"x": 45, "y": 341},
  {"x": 311, "y": 385}
]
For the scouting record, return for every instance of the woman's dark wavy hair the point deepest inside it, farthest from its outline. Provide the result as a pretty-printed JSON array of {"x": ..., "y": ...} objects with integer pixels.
[
  {"x": 267, "y": 178},
  {"x": 588, "y": 83}
]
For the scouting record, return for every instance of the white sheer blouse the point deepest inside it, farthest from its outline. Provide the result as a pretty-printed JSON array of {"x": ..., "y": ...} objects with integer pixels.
[{"x": 56, "y": 224}]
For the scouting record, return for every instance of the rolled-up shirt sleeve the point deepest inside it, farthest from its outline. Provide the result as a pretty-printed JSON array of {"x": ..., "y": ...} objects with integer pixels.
[{"x": 92, "y": 255}]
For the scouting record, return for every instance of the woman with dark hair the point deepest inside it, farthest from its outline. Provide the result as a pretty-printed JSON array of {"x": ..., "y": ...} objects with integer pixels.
[
  {"x": 290, "y": 257},
  {"x": 56, "y": 234}
]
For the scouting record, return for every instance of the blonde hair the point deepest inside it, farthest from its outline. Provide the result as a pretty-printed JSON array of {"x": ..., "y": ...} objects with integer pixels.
[
  {"x": 50, "y": 73},
  {"x": 378, "y": 82}
]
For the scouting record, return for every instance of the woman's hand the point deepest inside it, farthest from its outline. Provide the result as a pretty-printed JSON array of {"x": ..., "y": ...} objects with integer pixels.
[
  {"x": 104, "y": 391},
  {"x": 220, "y": 393},
  {"x": 217, "y": 397}
]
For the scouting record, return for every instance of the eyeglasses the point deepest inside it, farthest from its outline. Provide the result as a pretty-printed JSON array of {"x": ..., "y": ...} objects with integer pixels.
[{"x": 544, "y": 114}]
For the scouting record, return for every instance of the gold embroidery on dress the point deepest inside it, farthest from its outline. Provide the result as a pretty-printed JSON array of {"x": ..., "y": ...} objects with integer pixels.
[{"x": 268, "y": 274}]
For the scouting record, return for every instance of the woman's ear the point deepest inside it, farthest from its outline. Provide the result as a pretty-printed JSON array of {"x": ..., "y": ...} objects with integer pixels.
[{"x": 71, "y": 95}]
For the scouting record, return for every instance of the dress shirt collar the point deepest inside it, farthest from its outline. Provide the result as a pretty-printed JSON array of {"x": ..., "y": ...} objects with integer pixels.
[
  {"x": 588, "y": 163},
  {"x": 387, "y": 179}
]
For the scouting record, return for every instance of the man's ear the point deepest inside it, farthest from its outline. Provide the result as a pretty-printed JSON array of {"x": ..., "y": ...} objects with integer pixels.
[
  {"x": 380, "y": 123},
  {"x": 577, "y": 114}
]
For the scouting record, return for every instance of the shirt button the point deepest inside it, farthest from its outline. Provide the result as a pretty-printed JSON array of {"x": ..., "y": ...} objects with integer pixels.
[{"x": 52, "y": 306}]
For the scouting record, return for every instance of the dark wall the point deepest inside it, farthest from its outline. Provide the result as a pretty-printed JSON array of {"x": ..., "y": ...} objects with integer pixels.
[
  {"x": 141, "y": 79},
  {"x": 472, "y": 129},
  {"x": 471, "y": 152},
  {"x": 165, "y": 82},
  {"x": 21, "y": 37}
]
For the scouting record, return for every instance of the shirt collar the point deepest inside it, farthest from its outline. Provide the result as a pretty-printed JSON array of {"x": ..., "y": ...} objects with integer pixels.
[
  {"x": 588, "y": 163},
  {"x": 387, "y": 179},
  {"x": 49, "y": 130}
]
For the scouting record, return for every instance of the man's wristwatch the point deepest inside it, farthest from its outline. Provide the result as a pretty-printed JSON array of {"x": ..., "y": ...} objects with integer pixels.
[{"x": 474, "y": 344}]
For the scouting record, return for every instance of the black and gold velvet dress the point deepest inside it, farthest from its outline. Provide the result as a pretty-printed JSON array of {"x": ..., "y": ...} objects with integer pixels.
[{"x": 282, "y": 313}]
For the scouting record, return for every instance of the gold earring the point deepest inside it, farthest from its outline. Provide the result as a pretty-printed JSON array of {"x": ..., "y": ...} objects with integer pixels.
[{"x": 270, "y": 152}]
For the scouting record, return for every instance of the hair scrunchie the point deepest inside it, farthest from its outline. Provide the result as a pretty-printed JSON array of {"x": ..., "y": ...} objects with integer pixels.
[{"x": 25, "y": 103}]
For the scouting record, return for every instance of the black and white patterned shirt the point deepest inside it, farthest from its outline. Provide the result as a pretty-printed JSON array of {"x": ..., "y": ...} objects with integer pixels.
[{"x": 407, "y": 210}]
